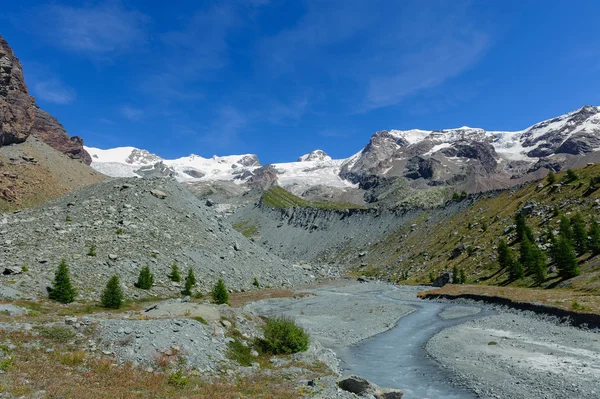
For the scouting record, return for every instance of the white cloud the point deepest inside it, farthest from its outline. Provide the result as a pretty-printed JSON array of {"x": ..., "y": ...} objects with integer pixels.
[
  {"x": 98, "y": 30},
  {"x": 53, "y": 91},
  {"x": 132, "y": 113}
]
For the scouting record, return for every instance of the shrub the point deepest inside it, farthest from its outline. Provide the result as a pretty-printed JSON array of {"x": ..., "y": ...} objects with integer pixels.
[
  {"x": 283, "y": 336},
  {"x": 256, "y": 283},
  {"x": 112, "y": 296},
  {"x": 92, "y": 250},
  {"x": 219, "y": 293},
  {"x": 145, "y": 278},
  {"x": 68, "y": 219},
  {"x": 551, "y": 177},
  {"x": 178, "y": 379},
  {"x": 190, "y": 282},
  {"x": 62, "y": 290},
  {"x": 175, "y": 275},
  {"x": 57, "y": 333},
  {"x": 240, "y": 353}
]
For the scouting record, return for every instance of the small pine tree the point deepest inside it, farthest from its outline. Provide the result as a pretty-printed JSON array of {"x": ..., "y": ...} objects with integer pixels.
[
  {"x": 508, "y": 261},
  {"x": 145, "y": 278},
  {"x": 522, "y": 229},
  {"x": 566, "y": 230},
  {"x": 463, "y": 276},
  {"x": 571, "y": 175},
  {"x": 566, "y": 259},
  {"x": 556, "y": 211},
  {"x": 175, "y": 275},
  {"x": 594, "y": 235},
  {"x": 551, "y": 177},
  {"x": 527, "y": 254},
  {"x": 580, "y": 234},
  {"x": 112, "y": 296},
  {"x": 257, "y": 284},
  {"x": 190, "y": 282},
  {"x": 503, "y": 254},
  {"x": 219, "y": 293},
  {"x": 62, "y": 290},
  {"x": 539, "y": 266},
  {"x": 455, "y": 275}
]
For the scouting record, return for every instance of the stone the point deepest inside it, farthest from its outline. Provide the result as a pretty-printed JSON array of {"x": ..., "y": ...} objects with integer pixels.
[
  {"x": 456, "y": 252},
  {"x": 442, "y": 280},
  {"x": 355, "y": 384},
  {"x": 226, "y": 323},
  {"x": 113, "y": 257},
  {"x": 158, "y": 194},
  {"x": 12, "y": 270}
]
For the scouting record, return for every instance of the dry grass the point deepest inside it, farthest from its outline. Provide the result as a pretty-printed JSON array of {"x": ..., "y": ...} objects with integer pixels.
[
  {"x": 240, "y": 299},
  {"x": 560, "y": 298},
  {"x": 71, "y": 373}
]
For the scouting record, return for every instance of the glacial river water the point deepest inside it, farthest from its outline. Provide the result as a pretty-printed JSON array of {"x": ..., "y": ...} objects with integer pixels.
[{"x": 397, "y": 357}]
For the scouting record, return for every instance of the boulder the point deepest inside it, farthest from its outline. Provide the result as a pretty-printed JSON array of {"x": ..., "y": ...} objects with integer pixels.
[
  {"x": 442, "y": 280},
  {"x": 12, "y": 270},
  {"x": 360, "y": 386},
  {"x": 456, "y": 252},
  {"x": 158, "y": 194}
]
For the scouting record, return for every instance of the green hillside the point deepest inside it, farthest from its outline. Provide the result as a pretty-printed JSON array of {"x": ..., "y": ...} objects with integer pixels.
[
  {"x": 281, "y": 198},
  {"x": 414, "y": 253}
]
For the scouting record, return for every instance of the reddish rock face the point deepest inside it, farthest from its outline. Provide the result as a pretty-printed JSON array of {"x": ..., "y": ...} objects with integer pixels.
[
  {"x": 16, "y": 105},
  {"x": 51, "y": 132},
  {"x": 21, "y": 117}
]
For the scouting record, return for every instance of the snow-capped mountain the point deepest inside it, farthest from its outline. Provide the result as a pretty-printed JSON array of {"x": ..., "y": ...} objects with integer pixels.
[
  {"x": 316, "y": 168},
  {"x": 471, "y": 158}
]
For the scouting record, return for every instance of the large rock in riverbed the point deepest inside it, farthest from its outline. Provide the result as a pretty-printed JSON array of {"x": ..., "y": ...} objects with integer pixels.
[{"x": 360, "y": 386}]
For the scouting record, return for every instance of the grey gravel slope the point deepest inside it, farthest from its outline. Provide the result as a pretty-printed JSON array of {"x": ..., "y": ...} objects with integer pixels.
[{"x": 130, "y": 227}]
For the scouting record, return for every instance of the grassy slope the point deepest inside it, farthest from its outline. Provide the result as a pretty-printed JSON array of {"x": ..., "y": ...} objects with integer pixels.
[
  {"x": 426, "y": 248},
  {"x": 281, "y": 198}
]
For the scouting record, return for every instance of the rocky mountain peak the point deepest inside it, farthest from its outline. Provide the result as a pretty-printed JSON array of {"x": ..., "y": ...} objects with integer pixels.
[
  {"x": 142, "y": 157},
  {"x": 316, "y": 155},
  {"x": 249, "y": 160}
]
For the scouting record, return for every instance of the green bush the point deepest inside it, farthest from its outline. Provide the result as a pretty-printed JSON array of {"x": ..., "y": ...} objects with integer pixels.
[
  {"x": 256, "y": 283},
  {"x": 240, "y": 353},
  {"x": 283, "y": 336},
  {"x": 145, "y": 278},
  {"x": 175, "y": 275},
  {"x": 62, "y": 290},
  {"x": 112, "y": 296},
  {"x": 57, "y": 333},
  {"x": 219, "y": 293}
]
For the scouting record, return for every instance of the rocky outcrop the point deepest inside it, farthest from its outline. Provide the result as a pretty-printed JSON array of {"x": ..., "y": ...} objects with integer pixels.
[
  {"x": 263, "y": 178},
  {"x": 481, "y": 151},
  {"x": 51, "y": 132},
  {"x": 419, "y": 167},
  {"x": 20, "y": 117},
  {"x": 249, "y": 160},
  {"x": 17, "y": 111}
]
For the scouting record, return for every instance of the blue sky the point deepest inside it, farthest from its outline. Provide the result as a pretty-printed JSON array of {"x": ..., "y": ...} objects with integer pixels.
[{"x": 281, "y": 78}]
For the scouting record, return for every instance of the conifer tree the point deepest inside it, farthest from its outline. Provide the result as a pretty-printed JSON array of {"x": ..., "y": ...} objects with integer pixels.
[
  {"x": 503, "y": 254},
  {"x": 112, "y": 296},
  {"x": 594, "y": 235},
  {"x": 566, "y": 259},
  {"x": 145, "y": 278},
  {"x": 565, "y": 228},
  {"x": 62, "y": 289},
  {"x": 219, "y": 293},
  {"x": 522, "y": 228},
  {"x": 571, "y": 176},
  {"x": 190, "y": 282},
  {"x": 580, "y": 234},
  {"x": 527, "y": 254},
  {"x": 175, "y": 275},
  {"x": 553, "y": 244},
  {"x": 551, "y": 177},
  {"x": 539, "y": 265},
  {"x": 455, "y": 275},
  {"x": 463, "y": 276},
  {"x": 508, "y": 261}
]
